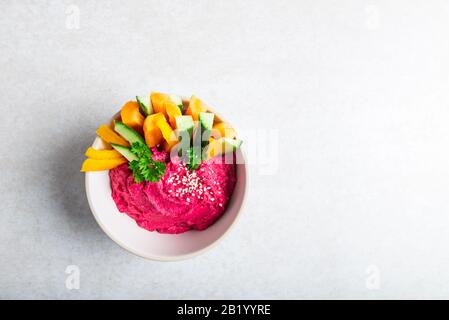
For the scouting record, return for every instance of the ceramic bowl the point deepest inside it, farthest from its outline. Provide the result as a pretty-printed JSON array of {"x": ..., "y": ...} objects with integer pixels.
[{"x": 152, "y": 245}]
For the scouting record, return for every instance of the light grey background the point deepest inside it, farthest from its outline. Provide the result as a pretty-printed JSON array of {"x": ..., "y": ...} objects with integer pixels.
[{"x": 358, "y": 92}]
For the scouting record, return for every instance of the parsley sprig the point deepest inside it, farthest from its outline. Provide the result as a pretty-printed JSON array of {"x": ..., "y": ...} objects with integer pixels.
[
  {"x": 194, "y": 158},
  {"x": 145, "y": 168}
]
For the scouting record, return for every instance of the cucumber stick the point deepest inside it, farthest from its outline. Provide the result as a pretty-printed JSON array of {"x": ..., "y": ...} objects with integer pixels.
[
  {"x": 145, "y": 105},
  {"x": 125, "y": 151},
  {"x": 128, "y": 133}
]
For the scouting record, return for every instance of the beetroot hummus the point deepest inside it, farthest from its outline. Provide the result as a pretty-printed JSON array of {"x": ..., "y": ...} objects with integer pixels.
[{"x": 182, "y": 200}]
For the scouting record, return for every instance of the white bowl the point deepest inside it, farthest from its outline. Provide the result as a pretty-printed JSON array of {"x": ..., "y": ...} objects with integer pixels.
[{"x": 153, "y": 245}]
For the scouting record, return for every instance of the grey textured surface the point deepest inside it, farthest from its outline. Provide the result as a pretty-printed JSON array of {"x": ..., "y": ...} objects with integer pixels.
[{"x": 358, "y": 92}]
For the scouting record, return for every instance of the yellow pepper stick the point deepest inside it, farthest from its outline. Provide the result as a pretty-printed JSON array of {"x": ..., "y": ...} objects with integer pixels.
[
  {"x": 167, "y": 132},
  {"x": 195, "y": 107},
  {"x": 109, "y": 135},
  {"x": 100, "y": 165},
  {"x": 153, "y": 135},
  {"x": 102, "y": 154}
]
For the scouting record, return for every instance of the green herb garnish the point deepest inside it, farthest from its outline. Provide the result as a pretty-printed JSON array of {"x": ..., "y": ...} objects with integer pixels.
[
  {"x": 145, "y": 168},
  {"x": 194, "y": 158}
]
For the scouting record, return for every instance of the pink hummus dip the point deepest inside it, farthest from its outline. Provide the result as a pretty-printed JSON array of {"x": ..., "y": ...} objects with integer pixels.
[{"x": 182, "y": 200}]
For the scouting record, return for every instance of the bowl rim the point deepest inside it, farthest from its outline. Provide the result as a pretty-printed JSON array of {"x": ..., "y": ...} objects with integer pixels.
[{"x": 176, "y": 257}]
